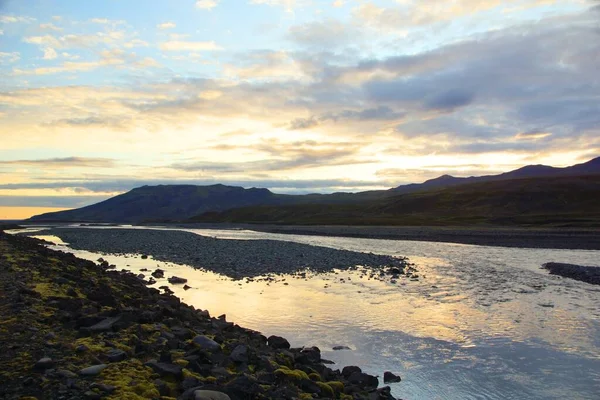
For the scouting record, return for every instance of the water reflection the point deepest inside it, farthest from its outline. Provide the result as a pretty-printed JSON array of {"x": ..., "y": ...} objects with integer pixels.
[{"x": 481, "y": 322}]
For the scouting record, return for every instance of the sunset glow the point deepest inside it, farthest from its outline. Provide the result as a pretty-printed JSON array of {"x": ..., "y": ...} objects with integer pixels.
[{"x": 97, "y": 98}]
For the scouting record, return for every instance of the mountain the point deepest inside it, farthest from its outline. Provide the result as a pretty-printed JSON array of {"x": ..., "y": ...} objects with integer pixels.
[
  {"x": 529, "y": 171},
  {"x": 164, "y": 202},
  {"x": 547, "y": 201},
  {"x": 183, "y": 202}
]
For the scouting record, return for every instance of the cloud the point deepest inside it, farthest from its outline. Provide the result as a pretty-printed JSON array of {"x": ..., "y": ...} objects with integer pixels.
[
  {"x": 303, "y": 123},
  {"x": 9, "y": 58},
  {"x": 136, "y": 43},
  {"x": 207, "y": 4},
  {"x": 532, "y": 135},
  {"x": 264, "y": 64},
  {"x": 324, "y": 34},
  {"x": 106, "y": 21},
  {"x": 13, "y": 19},
  {"x": 450, "y": 100},
  {"x": 50, "y": 27},
  {"x": 178, "y": 45},
  {"x": 49, "y": 53},
  {"x": 166, "y": 25},
  {"x": 65, "y": 162},
  {"x": 289, "y": 5}
]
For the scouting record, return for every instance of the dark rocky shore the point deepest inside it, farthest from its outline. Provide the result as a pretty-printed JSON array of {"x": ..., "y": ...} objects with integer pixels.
[
  {"x": 550, "y": 238},
  {"x": 71, "y": 329},
  {"x": 234, "y": 258},
  {"x": 578, "y": 272}
]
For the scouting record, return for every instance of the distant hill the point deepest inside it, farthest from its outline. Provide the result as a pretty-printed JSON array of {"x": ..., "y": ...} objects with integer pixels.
[
  {"x": 530, "y": 171},
  {"x": 164, "y": 203},
  {"x": 183, "y": 202},
  {"x": 550, "y": 201}
]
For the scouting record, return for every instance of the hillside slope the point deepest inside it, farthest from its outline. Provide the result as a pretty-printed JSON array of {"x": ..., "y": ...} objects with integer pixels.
[
  {"x": 561, "y": 201},
  {"x": 164, "y": 202}
]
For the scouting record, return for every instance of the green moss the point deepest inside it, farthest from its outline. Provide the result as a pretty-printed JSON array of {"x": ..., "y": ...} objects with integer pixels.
[
  {"x": 92, "y": 344},
  {"x": 48, "y": 289},
  {"x": 306, "y": 396},
  {"x": 326, "y": 390},
  {"x": 181, "y": 362},
  {"x": 133, "y": 380},
  {"x": 344, "y": 396},
  {"x": 315, "y": 377},
  {"x": 295, "y": 375},
  {"x": 337, "y": 386}
]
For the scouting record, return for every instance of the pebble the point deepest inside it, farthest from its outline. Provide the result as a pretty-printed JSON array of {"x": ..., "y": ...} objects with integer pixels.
[{"x": 93, "y": 370}]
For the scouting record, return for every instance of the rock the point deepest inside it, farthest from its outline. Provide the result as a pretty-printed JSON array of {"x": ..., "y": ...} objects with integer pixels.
[
  {"x": 181, "y": 332},
  {"x": 206, "y": 343},
  {"x": 116, "y": 355},
  {"x": 44, "y": 363},
  {"x": 363, "y": 380},
  {"x": 389, "y": 377},
  {"x": 186, "y": 287},
  {"x": 105, "y": 325},
  {"x": 158, "y": 273},
  {"x": 163, "y": 387},
  {"x": 93, "y": 370},
  {"x": 65, "y": 373},
  {"x": 277, "y": 342},
  {"x": 210, "y": 395},
  {"x": 103, "y": 388},
  {"x": 384, "y": 393},
  {"x": 92, "y": 395},
  {"x": 144, "y": 257},
  {"x": 175, "y": 280},
  {"x": 311, "y": 354},
  {"x": 243, "y": 387},
  {"x": 240, "y": 354},
  {"x": 165, "y": 369},
  {"x": 341, "y": 348},
  {"x": 349, "y": 370}
]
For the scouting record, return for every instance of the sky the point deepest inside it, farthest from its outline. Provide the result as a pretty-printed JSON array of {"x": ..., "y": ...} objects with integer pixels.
[{"x": 299, "y": 96}]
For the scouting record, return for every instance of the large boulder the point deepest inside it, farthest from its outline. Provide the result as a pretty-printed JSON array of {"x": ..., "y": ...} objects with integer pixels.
[{"x": 277, "y": 342}]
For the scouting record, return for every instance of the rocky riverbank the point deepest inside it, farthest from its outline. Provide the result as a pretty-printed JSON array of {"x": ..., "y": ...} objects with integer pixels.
[
  {"x": 234, "y": 258},
  {"x": 578, "y": 272},
  {"x": 550, "y": 238},
  {"x": 71, "y": 329}
]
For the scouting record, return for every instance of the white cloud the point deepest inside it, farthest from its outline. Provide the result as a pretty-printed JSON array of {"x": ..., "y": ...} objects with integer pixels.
[
  {"x": 289, "y": 5},
  {"x": 50, "y": 27},
  {"x": 11, "y": 19},
  {"x": 207, "y": 4},
  {"x": 166, "y": 25},
  {"x": 178, "y": 45},
  {"x": 49, "y": 53},
  {"x": 136, "y": 43},
  {"x": 106, "y": 21},
  {"x": 9, "y": 57}
]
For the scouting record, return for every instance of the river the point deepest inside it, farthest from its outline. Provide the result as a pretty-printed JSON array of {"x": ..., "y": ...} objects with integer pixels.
[{"x": 480, "y": 323}]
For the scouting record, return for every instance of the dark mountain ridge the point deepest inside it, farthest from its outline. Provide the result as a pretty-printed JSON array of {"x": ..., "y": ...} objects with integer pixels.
[
  {"x": 164, "y": 203},
  {"x": 529, "y": 171}
]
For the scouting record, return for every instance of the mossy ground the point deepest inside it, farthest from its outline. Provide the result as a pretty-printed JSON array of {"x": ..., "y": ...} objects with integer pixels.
[{"x": 49, "y": 301}]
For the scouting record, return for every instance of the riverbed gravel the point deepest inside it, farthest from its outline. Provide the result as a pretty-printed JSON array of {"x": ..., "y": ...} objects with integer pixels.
[{"x": 233, "y": 258}]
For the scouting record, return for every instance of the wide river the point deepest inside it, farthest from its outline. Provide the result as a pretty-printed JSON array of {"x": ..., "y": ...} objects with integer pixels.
[{"x": 480, "y": 323}]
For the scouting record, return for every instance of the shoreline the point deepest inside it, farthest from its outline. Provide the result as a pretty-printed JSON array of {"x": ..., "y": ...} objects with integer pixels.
[
  {"x": 234, "y": 258},
  {"x": 551, "y": 238},
  {"x": 74, "y": 329}
]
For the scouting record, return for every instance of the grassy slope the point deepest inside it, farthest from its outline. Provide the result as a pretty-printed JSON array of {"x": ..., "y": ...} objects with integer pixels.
[{"x": 557, "y": 201}]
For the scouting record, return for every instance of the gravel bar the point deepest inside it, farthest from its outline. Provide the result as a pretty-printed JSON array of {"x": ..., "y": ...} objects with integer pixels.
[{"x": 234, "y": 258}]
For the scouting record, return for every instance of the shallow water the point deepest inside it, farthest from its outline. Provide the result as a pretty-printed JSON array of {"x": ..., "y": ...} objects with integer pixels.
[{"x": 481, "y": 322}]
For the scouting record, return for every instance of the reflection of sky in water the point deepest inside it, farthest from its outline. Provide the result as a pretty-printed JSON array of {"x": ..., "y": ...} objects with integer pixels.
[{"x": 481, "y": 323}]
